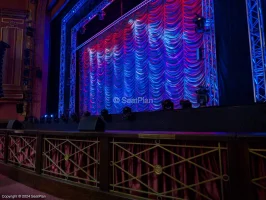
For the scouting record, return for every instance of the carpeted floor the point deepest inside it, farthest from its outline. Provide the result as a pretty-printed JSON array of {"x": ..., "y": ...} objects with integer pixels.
[{"x": 10, "y": 189}]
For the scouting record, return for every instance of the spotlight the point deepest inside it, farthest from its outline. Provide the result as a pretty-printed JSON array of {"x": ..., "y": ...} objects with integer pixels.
[
  {"x": 127, "y": 114},
  {"x": 104, "y": 112},
  {"x": 74, "y": 117},
  {"x": 105, "y": 115},
  {"x": 200, "y": 23},
  {"x": 87, "y": 114},
  {"x": 101, "y": 15},
  {"x": 64, "y": 118},
  {"x": 202, "y": 96},
  {"x": 186, "y": 104},
  {"x": 48, "y": 119},
  {"x": 168, "y": 105}
]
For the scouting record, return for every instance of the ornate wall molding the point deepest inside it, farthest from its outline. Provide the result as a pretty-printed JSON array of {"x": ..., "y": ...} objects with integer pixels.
[
  {"x": 14, "y": 13},
  {"x": 12, "y": 32}
]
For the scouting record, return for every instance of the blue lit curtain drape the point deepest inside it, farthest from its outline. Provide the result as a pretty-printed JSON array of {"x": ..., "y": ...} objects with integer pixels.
[{"x": 143, "y": 60}]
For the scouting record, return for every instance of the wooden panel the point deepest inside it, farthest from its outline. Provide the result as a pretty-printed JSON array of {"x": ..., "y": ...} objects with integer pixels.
[{"x": 12, "y": 32}]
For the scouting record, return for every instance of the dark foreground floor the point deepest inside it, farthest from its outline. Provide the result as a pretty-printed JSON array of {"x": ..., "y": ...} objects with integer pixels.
[{"x": 10, "y": 189}]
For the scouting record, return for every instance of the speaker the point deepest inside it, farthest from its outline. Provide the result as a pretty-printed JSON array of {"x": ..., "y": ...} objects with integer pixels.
[
  {"x": 19, "y": 108},
  {"x": 91, "y": 123},
  {"x": 14, "y": 124}
]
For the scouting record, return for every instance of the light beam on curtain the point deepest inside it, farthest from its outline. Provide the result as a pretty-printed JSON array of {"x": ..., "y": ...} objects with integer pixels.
[{"x": 147, "y": 58}]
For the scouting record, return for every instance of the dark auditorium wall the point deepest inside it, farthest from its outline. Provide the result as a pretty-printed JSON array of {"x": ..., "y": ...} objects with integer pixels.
[
  {"x": 14, "y": 4},
  {"x": 8, "y": 104},
  {"x": 233, "y": 54},
  {"x": 41, "y": 58},
  {"x": 41, "y": 19}
]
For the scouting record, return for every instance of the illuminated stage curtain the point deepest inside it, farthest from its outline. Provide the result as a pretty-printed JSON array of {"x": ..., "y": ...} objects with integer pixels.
[{"x": 150, "y": 55}]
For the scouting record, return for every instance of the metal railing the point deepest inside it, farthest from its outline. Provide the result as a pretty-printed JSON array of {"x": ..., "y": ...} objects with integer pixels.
[{"x": 143, "y": 166}]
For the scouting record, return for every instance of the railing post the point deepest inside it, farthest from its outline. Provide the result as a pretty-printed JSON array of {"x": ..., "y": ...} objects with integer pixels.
[
  {"x": 6, "y": 147},
  {"x": 239, "y": 170},
  {"x": 39, "y": 148},
  {"x": 104, "y": 164}
]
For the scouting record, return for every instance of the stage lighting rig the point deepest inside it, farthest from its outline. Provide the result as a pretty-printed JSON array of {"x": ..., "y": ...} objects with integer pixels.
[
  {"x": 185, "y": 104},
  {"x": 101, "y": 15},
  {"x": 202, "y": 96},
  {"x": 200, "y": 23},
  {"x": 168, "y": 105},
  {"x": 127, "y": 114}
]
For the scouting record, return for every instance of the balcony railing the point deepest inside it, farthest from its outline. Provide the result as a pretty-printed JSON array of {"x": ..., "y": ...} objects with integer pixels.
[{"x": 144, "y": 166}]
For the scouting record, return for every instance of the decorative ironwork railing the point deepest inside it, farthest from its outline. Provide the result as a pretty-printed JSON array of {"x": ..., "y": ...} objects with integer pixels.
[
  {"x": 257, "y": 168},
  {"x": 143, "y": 166},
  {"x": 75, "y": 160},
  {"x": 155, "y": 169},
  {"x": 2, "y": 146},
  {"x": 22, "y": 150}
]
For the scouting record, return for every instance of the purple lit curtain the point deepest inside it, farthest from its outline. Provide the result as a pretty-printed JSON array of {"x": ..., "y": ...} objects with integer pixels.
[{"x": 149, "y": 56}]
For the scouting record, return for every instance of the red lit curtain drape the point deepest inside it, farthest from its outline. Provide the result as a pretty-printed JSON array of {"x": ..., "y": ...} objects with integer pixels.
[{"x": 187, "y": 172}]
